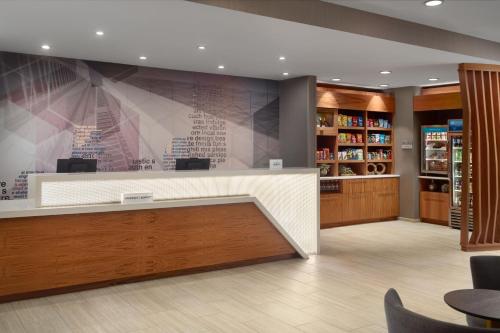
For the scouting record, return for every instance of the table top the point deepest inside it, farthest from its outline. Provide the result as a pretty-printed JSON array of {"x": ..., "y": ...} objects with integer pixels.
[{"x": 481, "y": 303}]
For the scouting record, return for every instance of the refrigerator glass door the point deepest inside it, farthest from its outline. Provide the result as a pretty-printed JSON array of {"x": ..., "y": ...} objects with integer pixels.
[
  {"x": 456, "y": 170},
  {"x": 435, "y": 149}
]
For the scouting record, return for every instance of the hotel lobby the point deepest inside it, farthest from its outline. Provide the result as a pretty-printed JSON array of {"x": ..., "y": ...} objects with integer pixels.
[{"x": 250, "y": 166}]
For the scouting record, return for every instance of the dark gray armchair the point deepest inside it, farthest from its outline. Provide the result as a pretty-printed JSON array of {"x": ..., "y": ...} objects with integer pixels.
[
  {"x": 401, "y": 320},
  {"x": 485, "y": 272}
]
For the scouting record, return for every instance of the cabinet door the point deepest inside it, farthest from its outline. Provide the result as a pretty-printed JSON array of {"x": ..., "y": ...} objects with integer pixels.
[
  {"x": 331, "y": 209},
  {"x": 351, "y": 186},
  {"x": 434, "y": 206},
  {"x": 385, "y": 205},
  {"x": 358, "y": 207},
  {"x": 385, "y": 194}
]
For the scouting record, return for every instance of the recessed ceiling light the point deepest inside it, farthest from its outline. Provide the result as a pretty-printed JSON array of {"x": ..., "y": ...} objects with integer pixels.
[
  {"x": 385, "y": 72},
  {"x": 383, "y": 85},
  {"x": 282, "y": 58},
  {"x": 285, "y": 74},
  {"x": 99, "y": 33},
  {"x": 220, "y": 67},
  {"x": 46, "y": 47},
  {"x": 336, "y": 79},
  {"x": 433, "y": 79},
  {"x": 202, "y": 47},
  {"x": 143, "y": 57},
  {"x": 433, "y": 3}
]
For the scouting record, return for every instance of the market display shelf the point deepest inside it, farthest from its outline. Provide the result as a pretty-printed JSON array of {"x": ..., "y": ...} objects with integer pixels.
[{"x": 351, "y": 161}]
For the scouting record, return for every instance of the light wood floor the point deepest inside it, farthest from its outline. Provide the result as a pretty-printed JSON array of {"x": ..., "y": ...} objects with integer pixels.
[{"x": 340, "y": 290}]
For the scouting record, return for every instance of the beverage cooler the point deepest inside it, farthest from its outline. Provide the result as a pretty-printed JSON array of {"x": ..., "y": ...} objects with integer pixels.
[
  {"x": 435, "y": 150},
  {"x": 456, "y": 154}
]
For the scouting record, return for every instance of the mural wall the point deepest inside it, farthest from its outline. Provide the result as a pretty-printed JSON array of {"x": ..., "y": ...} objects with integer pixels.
[{"x": 128, "y": 117}]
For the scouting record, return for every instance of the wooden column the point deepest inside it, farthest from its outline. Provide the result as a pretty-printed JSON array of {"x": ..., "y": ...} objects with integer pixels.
[{"x": 480, "y": 89}]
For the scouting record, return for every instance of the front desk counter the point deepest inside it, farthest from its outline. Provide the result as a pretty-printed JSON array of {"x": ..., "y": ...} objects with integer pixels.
[
  {"x": 351, "y": 200},
  {"x": 73, "y": 233}
]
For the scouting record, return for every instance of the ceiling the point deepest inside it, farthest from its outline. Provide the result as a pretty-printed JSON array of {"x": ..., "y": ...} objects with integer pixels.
[
  {"x": 168, "y": 32},
  {"x": 478, "y": 18}
]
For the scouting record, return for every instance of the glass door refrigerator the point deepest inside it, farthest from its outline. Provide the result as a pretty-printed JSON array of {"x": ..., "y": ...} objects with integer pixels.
[
  {"x": 456, "y": 154},
  {"x": 435, "y": 150}
]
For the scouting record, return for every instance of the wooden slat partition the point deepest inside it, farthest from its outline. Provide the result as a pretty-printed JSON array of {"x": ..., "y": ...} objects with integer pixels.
[{"x": 480, "y": 89}]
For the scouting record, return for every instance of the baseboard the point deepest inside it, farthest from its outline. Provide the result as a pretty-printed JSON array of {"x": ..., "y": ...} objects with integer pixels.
[
  {"x": 437, "y": 222},
  {"x": 408, "y": 219},
  {"x": 348, "y": 223}
]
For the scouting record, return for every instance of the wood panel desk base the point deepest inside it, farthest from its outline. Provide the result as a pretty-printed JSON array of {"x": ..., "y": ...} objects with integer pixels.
[{"x": 55, "y": 254}]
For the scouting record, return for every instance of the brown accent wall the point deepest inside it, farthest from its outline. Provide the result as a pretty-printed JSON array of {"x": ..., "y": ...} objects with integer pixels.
[
  {"x": 297, "y": 125},
  {"x": 406, "y": 130}
]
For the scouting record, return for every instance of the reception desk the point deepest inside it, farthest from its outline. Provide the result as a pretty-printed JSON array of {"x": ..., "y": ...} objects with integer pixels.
[{"x": 73, "y": 233}]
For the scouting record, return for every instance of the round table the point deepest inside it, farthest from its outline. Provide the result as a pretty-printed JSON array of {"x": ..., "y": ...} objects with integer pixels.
[{"x": 481, "y": 303}]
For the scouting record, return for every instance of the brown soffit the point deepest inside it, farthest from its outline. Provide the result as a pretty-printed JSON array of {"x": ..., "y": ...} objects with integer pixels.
[{"x": 336, "y": 17}]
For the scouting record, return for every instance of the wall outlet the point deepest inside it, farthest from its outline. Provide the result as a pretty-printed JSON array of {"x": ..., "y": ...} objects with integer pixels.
[
  {"x": 407, "y": 146},
  {"x": 276, "y": 164}
]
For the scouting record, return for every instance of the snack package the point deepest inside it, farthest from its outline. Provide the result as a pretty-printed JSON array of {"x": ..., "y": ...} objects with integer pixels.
[
  {"x": 360, "y": 154},
  {"x": 359, "y": 138}
]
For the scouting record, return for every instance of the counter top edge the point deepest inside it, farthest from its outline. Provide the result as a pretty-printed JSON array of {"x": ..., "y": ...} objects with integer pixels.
[{"x": 360, "y": 177}]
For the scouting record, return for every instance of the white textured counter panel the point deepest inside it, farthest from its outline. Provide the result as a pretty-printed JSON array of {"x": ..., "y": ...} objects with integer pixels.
[{"x": 288, "y": 197}]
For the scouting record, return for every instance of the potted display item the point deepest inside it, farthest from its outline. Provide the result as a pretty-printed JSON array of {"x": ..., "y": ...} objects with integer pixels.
[{"x": 324, "y": 169}]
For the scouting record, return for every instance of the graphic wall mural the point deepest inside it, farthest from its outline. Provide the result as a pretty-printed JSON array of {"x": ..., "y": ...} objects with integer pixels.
[{"x": 128, "y": 117}]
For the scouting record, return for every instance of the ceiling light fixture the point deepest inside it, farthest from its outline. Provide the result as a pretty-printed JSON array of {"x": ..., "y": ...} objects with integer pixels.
[
  {"x": 46, "y": 47},
  {"x": 433, "y": 3},
  {"x": 282, "y": 58},
  {"x": 385, "y": 72},
  {"x": 383, "y": 85},
  {"x": 433, "y": 79},
  {"x": 220, "y": 67},
  {"x": 202, "y": 47},
  {"x": 285, "y": 74},
  {"x": 99, "y": 33},
  {"x": 336, "y": 80},
  {"x": 143, "y": 57}
]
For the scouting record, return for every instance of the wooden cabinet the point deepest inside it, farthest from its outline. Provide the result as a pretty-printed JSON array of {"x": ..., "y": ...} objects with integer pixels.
[
  {"x": 434, "y": 207},
  {"x": 433, "y": 102},
  {"x": 354, "y": 133},
  {"x": 331, "y": 211},
  {"x": 328, "y": 96},
  {"x": 361, "y": 201}
]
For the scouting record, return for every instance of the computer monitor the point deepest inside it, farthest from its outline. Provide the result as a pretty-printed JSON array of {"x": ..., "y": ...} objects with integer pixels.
[
  {"x": 74, "y": 165},
  {"x": 192, "y": 164}
]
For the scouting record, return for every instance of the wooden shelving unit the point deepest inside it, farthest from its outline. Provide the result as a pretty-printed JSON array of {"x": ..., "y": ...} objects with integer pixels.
[
  {"x": 382, "y": 129},
  {"x": 362, "y": 140}
]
